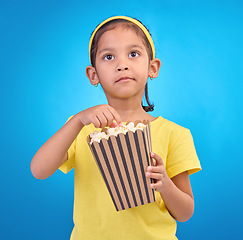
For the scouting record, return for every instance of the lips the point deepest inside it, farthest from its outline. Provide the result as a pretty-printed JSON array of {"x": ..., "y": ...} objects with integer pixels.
[{"x": 124, "y": 79}]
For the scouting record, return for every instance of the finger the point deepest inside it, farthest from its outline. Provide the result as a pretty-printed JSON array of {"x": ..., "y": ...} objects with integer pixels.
[
  {"x": 96, "y": 122},
  {"x": 155, "y": 169},
  {"x": 102, "y": 119},
  {"x": 115, "y": 115},
  {"x": 157, "y": 176},
  {"x": 156, "y": 185},
  {"x": 158, "y": 159},
  {"x": 109, "y": 117}
]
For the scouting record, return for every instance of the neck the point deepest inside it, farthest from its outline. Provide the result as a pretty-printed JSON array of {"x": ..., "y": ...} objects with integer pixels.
[{"x": 129, "y": 110}]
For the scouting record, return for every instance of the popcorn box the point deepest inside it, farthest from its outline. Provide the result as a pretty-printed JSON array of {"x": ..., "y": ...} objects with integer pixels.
[{"x": 123, "y": 161}]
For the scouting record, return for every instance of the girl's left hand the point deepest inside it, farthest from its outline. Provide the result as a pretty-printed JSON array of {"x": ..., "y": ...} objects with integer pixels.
[{"x": 158, "y": 173}]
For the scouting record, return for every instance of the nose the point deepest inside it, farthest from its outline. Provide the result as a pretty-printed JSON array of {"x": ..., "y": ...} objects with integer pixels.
[
  {"x": 122, "y": 64},
  {"x": 122, "y": 67}
]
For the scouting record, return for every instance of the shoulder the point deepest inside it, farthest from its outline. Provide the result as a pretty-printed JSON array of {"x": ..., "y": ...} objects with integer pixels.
[
  {"x": 175, "y": 143},
  {"x": 166, "y": 127}
]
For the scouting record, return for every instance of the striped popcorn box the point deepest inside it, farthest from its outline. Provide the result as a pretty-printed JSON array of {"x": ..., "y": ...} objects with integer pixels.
[{"x": 123, "y": 161}]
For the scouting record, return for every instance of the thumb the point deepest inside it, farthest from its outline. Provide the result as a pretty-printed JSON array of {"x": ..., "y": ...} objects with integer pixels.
[
  {"x": 114, "y": 124},
  {"x": 157, "y": 158},
  {"x": 154, "y": 162}
]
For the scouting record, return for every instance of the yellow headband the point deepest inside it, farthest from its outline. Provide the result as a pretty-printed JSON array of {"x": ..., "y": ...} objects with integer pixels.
[{"x": 139, "y": 24}]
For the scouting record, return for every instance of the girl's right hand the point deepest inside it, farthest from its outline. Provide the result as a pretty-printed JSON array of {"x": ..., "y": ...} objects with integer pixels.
[{"x": 101, "y": 116}]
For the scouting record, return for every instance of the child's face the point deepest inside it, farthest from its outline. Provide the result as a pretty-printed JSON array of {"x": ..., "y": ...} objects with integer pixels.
[{"x": 122, "y": 63}]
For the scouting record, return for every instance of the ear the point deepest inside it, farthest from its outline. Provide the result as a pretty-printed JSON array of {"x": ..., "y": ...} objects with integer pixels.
[
  {"x": 92, "y": 75},
  {"x": 154, "y": 68}
]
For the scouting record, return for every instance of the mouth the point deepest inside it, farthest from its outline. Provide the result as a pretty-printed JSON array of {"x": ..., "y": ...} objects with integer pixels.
[{"x": 124, "y": 79}]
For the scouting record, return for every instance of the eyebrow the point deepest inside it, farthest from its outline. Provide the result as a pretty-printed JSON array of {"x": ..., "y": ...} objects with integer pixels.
[
  {"x": 135, "y": 46},
  {"x": 106, "y": 50},
  {"x": 113, "y": 49}
]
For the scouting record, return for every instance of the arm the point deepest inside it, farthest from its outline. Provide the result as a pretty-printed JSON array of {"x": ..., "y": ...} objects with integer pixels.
[
  {"x": 176, "y": 192},
  {"x": 54, "y": 152}
]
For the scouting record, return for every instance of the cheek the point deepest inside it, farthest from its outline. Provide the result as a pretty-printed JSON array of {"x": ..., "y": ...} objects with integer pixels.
[
  {"x": 104, "y": 68},
  {"x": 103, "y": 74}
]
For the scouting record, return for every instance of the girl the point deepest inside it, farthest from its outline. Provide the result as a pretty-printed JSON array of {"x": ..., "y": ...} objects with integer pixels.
[{"x": 122, "y": 58}]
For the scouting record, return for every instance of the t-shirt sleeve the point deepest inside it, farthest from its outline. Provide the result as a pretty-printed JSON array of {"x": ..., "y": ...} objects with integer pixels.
[
  {"x": 69, "y": 163},
  {"x": 182, "y": 155}
]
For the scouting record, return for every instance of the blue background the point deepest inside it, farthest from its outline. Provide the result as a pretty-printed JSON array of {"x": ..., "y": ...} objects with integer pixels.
[{"x": 43, "y": 55}]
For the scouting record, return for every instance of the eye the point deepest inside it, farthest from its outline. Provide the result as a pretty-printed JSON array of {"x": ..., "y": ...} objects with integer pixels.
[
  {"x": 133, "y": 54},
  {"x": 108, "y": 57}
]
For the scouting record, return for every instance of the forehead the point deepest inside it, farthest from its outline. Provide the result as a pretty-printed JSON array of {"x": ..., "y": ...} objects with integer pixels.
[{"x": 120, "y": 35}]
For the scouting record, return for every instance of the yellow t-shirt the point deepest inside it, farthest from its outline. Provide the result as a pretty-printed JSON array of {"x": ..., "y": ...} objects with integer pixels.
[{"x": 95, "y": 216}]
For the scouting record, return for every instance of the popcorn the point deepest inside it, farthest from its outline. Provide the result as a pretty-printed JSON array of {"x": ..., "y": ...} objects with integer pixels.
[
  {"x": 122, "y": 155},
  {"x": 131, "y": 127},
  {"x": 96, "y": 136},
  {"x": 140, "y": 126}
]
